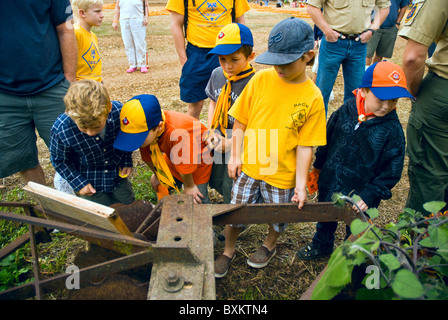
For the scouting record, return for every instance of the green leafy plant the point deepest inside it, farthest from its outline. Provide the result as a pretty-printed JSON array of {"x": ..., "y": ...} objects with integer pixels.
[
  {"x": 13, "y": 268},
  {"x": 403, "y": 260}
]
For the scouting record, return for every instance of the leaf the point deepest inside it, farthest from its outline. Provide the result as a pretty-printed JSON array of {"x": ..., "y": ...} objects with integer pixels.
[
  {"x": 407, "y": 285},
  {"x": 390, "y": 261},
  {"x": 439, "y": 236},
  {"x": 357, "y": 226},
  {"x": 434, "y": 206},
  {"x": 373, "y": 213}
]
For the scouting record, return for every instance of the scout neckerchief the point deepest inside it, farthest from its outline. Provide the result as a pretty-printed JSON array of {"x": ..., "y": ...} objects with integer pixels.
[
  {"x": 163, "y": 172},
  {"x": 360, "y": 106},
  {"x": 225, "y": 99}
]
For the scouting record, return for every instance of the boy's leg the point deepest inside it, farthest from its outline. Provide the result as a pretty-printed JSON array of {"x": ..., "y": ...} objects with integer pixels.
[
  {"x": 100, "y": 197},
  {"x": 322, "y": 244},
  {"x": 123, "y": 193},
  {"x": 266, "y": 252},
  {"x": 245, "y": 190}
]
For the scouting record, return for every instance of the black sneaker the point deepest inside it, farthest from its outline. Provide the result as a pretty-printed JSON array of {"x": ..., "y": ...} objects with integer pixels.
[{"x": 309, "y": 252}]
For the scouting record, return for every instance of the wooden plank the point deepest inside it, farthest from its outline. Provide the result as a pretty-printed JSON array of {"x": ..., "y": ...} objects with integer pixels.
[{"x": 77, "y": 208}]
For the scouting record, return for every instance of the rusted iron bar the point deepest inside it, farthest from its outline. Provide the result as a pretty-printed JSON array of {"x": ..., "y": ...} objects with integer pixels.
[
  {"x": 282, "y": 213},
  {"x": 74, "y": 229},
  {"x": 58, "y": 282}
]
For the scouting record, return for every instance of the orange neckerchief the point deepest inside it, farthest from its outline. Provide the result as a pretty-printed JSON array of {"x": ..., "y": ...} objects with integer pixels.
[
  {"x": 360, "y": 106},
  {"x": 225, "y": 99}
]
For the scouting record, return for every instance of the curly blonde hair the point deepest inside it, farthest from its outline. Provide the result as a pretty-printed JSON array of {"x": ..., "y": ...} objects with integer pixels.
[{"x": 87, "y": 103}]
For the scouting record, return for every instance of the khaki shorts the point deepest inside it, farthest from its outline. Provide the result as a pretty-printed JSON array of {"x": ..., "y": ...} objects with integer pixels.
[{"x": 20, "y": 118}]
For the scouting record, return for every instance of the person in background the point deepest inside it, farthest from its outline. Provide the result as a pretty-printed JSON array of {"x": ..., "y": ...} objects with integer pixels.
[
  {"x": 37, "y": 63},
  {"x": 133, "y": 18},
  {"x": 347, "y": 27},
  {"x": 427, "y": 130},
  {"x": 382, "y": 43},
  {"x": 194, "y": 28}
]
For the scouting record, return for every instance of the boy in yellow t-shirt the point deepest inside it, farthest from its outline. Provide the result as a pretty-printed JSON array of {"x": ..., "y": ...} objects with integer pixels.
[
  {"x": 89, "y": 13},
  {"x": 280, "y": 116}
]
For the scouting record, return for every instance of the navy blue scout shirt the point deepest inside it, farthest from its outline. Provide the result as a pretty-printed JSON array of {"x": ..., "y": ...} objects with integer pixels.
[
  {"x": 368, "y": 160},
  {"x": 81, "y": 159},
  {"x": 30, "y": 58}
]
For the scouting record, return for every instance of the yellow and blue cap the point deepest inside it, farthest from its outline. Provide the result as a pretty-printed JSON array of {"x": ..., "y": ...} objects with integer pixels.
[
  {"x": 138, "y": 115},
  {"x": 232, "y": 37}
]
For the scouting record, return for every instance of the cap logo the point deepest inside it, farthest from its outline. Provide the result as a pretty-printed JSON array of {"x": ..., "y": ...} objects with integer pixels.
[
  {"x": 221, "y": 35},
  {"x": 125, "y": 121},
  {"x": 395, "y": 76},
  {"x": 275, "y": 38}
]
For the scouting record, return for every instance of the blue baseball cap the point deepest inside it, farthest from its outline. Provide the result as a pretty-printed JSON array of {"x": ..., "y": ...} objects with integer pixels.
[{"x": 288, "y": 41}]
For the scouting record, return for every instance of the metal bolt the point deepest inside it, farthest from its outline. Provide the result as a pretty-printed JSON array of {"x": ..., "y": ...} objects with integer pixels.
[{"x": 173, "y": 282}]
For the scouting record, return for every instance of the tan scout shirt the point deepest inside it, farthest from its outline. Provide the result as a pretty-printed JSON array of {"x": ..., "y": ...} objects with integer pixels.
[
  {"x": 348, "y": 16},
  {"x": 426, "y": 23}
]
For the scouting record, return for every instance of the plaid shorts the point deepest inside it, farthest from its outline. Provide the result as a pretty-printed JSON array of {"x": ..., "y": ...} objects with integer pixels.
[{"x": 248, "y": 190}]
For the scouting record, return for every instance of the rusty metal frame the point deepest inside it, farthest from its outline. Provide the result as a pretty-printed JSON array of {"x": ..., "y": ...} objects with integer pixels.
[{"x": 182, "y": 256}]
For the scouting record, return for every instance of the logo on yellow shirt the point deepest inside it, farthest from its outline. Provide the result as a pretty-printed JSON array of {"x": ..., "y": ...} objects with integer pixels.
[
  {"x": 92, "y": 56},
  {"x": 211, "y": 10}
]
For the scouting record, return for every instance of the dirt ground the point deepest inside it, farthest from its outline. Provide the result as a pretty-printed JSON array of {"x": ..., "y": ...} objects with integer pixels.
[{"x": 287, "y": 277}]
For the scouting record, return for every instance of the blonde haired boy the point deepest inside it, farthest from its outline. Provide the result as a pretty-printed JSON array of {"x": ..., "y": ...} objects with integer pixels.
[
  {"x": 81, "y": 145},
  {"x": 280, "y": 116},
  {"x": 88, "y": 14}
]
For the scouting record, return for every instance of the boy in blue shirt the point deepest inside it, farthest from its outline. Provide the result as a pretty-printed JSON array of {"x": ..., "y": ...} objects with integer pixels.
[{"x": 81, "y": 145}]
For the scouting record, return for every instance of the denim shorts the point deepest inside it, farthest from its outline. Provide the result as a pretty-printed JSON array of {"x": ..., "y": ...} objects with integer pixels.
[
  {"x": 20, "y": 117},
  {"x": 195, "y": 73},
  {"x": 249, "y": 190}
]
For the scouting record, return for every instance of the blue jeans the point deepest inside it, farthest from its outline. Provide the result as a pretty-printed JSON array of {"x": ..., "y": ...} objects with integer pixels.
[{"x": 351, "y": 55}]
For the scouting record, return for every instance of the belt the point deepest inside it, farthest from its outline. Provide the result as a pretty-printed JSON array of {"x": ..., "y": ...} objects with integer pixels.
[
  {"x": 354, "y": 36},
  {"x": 351, "y": 36}
]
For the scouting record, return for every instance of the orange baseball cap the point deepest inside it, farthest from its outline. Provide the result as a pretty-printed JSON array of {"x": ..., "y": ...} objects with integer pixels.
[{"x": 386, "y": 80}]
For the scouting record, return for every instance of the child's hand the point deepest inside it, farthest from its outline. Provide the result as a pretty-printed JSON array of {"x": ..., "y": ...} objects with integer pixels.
[
  {"x": 234, "y": 168},
  {"x": 125, "y": 172},
  {"x": 299, "y": 196},
  {"x": 197, "y": 195},
  {"x": 212, "y": 140},
  {"x": 155, "y": 182},
  {"x": 88, "y": 190},
  {"x": 362, "y": 205}
]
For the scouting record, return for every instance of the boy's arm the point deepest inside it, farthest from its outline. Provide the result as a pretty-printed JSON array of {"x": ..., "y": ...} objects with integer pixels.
[
  {"x": 234, "y": 165},
  {"x": 191, "y": 188},
  {"x": 304, "y": 155},
  {"x": 61, "y": 158},
  {"x": 389, "y": 171},
  {"x": 211, "y": 111}
]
